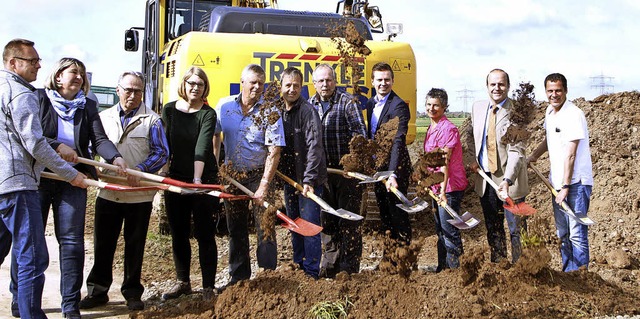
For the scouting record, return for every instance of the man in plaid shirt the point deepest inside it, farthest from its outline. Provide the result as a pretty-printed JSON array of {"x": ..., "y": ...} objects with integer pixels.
[{"x": 341, "y": 121}]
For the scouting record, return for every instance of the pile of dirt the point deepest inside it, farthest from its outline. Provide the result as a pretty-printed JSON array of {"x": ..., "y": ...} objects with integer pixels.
[{"x": 532, "y": 288}]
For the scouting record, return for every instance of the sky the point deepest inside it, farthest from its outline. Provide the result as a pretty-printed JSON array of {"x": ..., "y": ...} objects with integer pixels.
[{"x": 456, "y": 43}]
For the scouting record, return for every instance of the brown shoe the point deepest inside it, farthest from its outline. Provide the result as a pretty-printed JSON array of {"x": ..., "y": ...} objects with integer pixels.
[{"x": 179, "y": 289}]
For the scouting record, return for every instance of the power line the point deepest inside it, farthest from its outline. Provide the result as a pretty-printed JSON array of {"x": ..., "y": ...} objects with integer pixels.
[
  {"x": 465, "y": 95},
  {"x": 602, "y": 83}
]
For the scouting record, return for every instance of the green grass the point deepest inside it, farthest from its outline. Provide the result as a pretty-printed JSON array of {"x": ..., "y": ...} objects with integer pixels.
[{"x": 422, "y": 123}]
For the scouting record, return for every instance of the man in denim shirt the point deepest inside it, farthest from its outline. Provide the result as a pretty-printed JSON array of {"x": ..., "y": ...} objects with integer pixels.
[{"x": 252, "y": 147}]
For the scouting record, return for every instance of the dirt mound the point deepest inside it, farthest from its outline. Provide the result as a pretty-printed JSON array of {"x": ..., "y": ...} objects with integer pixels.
[{"x": 532, "y": 288}]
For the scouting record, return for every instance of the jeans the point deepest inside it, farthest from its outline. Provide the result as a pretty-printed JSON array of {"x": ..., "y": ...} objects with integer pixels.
[
  {"x": 238, "y": 213},
  {"x": 307, "y": 251},
  {"x": 574, "y": 238},
  {"x": 180, "y": 208},
  {"x": 341, "y": 238},
  {"x": 494, "y": 221},
  {"x": 449, "y": 240},
  {"x": 109, "y": 218},
  {"x": 69, "y": 205},
  {"x": 22, "y": 219}
]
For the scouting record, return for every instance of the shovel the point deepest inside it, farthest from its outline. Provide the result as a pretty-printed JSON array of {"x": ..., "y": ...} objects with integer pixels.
[
  {"x": 467, "y": 221},
  {"x": 342, "y": 213},
  {"x": 299, "y": 225},
  {"x": 565, "y": 207},
  {"x": 104, "y": 185},
  {"x": 149, "y": 176},
  {"x": 522, "y": 209},
  {"x": 377, "y": 177},
  {"x": 410, "y": 206},
  {"x": 179, "y": 190}
]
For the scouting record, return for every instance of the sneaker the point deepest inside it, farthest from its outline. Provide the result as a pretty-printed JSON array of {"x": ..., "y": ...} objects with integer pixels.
[
  {"x": 93, "y": 301},
  {"x": 135, "y": 304},
  {"x": 15, "y": 311},
  {"x": 179, "y": 289},
  {"x": 72, "y": 315}
]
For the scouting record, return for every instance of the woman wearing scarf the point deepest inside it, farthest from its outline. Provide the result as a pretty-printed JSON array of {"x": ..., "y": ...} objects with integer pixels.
[{"x": 70, "y": 122}]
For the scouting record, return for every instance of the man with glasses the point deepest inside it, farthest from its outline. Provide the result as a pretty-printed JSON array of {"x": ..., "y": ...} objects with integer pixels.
[
  {"x": 139, "y": 136},
  {"x": 24, "y": 154},
  {"x": 341, "y": 121}
]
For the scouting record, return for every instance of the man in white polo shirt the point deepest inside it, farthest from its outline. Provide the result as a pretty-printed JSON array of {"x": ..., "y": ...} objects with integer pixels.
[{"x": 567, "y": 140}]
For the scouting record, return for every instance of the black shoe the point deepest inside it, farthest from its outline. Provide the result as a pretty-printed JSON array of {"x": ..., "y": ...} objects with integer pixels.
[
  {"x": 135, "y": 304},
  {"x": 15, "y": 311},
  {"x": 72, "y": 315},
  {"x": 93, "y": 301},
  {"x": 179, "y": 289}
]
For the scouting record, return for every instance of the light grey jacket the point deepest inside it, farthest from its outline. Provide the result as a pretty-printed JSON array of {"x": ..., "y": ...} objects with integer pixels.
[{"x": 24, "y": 152}]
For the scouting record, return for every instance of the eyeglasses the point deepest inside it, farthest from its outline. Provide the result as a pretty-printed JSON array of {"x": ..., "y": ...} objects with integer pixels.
[
  {"x": 194, "y": 84},
  {"x": 130, "y": 91},
  {"x": 33, "y": 61}
]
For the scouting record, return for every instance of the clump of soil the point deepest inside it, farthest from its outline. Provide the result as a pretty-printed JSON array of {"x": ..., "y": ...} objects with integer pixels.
[
  {"x": 399, "y": 258},
  {"x": 424, "y": 171},
  {"x": 269, "y": 217},
  {"x": 268, "y": 114},
  {"x": 350, "y": 44},
  {"x": 521, "y": 115},
  {"x": 384, "y": 138},
  {"x": 361, "y": 156}
]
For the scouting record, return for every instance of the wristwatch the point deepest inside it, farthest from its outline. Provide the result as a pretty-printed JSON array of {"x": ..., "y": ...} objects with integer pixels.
[
  {"x": 566, "y": 186},
  {"x": 509, "y": 182}
]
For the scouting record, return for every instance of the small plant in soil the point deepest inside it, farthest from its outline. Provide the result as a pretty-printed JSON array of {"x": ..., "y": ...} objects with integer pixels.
[{"x": 331, "y": 309}]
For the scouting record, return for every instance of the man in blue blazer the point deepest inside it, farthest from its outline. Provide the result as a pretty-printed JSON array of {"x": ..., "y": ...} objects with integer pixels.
[{"x": 381, "y": 108}]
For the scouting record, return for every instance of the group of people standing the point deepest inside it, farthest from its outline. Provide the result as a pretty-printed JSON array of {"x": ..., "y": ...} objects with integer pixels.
[
  {"x": 55, "y": 126},
  {"x": 566, "y": 140}
]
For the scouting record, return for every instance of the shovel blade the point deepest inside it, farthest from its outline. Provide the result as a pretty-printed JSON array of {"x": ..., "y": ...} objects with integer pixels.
[
  {"x": 343, "y": 213},
  {"x": 416, "y": 205},
  {"x": 459, "y": 224},
  {"x": 468, "y": 219},
  {"x": 522, "y": 209},
  {"x": 305, "y": 228},
  {"x": 378, "y": 176}
]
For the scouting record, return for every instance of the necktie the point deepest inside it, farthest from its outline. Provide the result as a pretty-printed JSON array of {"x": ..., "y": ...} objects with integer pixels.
[{"x": 492, "y": 150}]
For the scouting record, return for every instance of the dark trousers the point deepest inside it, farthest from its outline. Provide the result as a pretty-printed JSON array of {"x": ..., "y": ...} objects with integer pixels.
[
  {"x": 494, "y": 215},
  {"x": 202, "y": 207},
  {"x": 238, "y": 213},
  {"x": 109, "y": 218},
  {"x": 394, "y": 219},
  {"x": 341, "y": 238}
]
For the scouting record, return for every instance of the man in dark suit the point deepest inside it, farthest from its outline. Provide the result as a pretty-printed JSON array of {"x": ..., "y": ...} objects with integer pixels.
[{"x": 381, "y": 108}]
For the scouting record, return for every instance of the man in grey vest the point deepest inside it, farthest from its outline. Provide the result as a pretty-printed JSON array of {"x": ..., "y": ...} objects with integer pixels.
[{"x": 139, "y": 136}]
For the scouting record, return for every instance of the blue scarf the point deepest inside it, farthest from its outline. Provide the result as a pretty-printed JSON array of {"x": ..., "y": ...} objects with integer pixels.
[{"x": 66, "y": 109}]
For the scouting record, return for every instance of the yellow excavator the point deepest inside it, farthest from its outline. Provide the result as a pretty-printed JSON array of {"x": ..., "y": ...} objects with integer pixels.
[{"x": 223, "y": 36}]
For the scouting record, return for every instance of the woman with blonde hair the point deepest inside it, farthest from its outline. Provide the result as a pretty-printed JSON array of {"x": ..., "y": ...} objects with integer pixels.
[
  {"x": 190, "y": 124},
  {"x": 70, "y": 122}
]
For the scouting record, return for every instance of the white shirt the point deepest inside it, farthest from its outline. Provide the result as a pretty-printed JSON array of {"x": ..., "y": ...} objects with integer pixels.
[
  {"x": 562, "y": 127},
  {"x": 377, "y": 110}
]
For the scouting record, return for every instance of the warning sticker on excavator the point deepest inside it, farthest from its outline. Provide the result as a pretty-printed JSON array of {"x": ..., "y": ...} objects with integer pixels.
[
  {"x": 400, "y": 65},
  {"x": 198, "y": 61}
]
